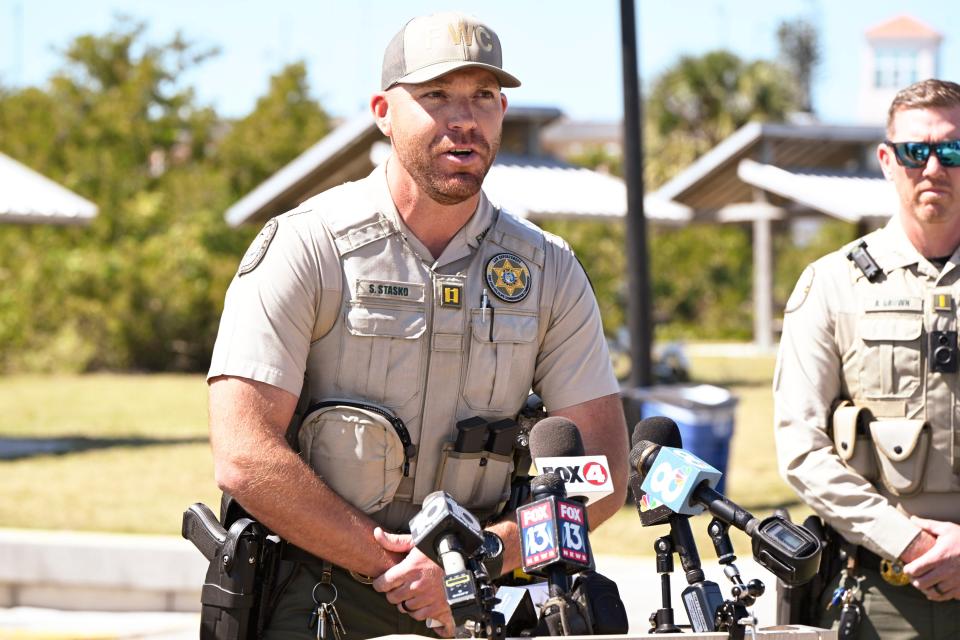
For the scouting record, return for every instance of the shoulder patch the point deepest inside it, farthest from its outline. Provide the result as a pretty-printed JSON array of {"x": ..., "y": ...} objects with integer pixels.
[
  {"x": 258, "y": 248},
  {"x": 799, "y": 295}
]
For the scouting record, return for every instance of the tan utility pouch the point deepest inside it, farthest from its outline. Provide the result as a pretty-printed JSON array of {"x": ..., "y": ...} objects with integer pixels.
[
  {"x": 901, "y": 447},
  {"x": 479, "y": 481},
  {"x": 356, "y": 452},
  {"x": 851, "y": 437}
]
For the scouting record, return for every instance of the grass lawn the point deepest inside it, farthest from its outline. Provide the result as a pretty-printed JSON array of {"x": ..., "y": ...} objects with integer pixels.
[
  {"x": 141, "y": 485},
  {"x": 145, "y": 457}
]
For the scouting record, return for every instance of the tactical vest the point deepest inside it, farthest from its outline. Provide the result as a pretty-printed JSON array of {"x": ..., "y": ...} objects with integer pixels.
[
  {"x": 884, "y": 343},
  {"x": 423, "y": 345}
]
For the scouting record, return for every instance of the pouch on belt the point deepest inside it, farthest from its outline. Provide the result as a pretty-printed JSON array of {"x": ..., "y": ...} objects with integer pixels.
[
  {"x": 851, "y": 438},
  {"x": 362, "y": 451}
]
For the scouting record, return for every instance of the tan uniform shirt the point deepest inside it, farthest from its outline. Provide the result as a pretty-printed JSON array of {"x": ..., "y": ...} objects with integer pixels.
[
  {"x": 344, "y": 292},
  {"x": 846, "y": 338}
]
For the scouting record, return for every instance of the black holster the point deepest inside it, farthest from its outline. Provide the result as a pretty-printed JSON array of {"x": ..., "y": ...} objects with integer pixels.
[{"x": 242, "y": 562}]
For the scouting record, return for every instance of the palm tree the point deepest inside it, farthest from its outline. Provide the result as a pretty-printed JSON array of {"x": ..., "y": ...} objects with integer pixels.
[{"x": 701, "y": 100}]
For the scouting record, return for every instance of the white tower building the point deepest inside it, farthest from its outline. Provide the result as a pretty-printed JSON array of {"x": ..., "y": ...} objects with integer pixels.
[{"x": 898, "y": 52}]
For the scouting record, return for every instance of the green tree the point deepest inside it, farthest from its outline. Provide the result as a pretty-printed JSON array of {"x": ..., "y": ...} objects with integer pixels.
[
  {"x": 692, "y": 107},
  {"x": 284, "y": 122},
  {"x": 701, "y": 100},
  {"x": 800, "y": 54},
  {"x": 141, "y": 287}
]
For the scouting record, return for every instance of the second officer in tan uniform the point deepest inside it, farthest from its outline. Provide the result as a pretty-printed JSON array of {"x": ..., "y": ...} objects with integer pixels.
[
  {"x": 405, "y": 295},
  {"x": 866, "y": 385}
]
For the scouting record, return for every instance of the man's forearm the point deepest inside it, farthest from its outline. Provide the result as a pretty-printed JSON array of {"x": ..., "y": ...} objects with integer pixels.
[
  {"x": 254, "y": 463},
  {"x": 294, "y": 503}
]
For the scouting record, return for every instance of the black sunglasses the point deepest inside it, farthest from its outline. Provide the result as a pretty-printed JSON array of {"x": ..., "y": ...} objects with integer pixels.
[{"x": 914, "y": 155}]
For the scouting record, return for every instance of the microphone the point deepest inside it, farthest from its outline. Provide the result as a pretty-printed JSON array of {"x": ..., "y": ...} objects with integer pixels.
[
  {"x": 556, "y": 446},
  {"x": 553, "y": 530},
  {"x": 554, "y": 544},
  {"x": 553, "y": 534},
  {"x": 702, "y": 598},
  {"x": 685, "y": 484},
  {"x": 648, "y": 436},
  {"x": 448, "y": 534}
]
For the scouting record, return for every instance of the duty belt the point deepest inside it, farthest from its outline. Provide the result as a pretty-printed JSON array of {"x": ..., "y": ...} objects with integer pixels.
[
  {"x": 293, "y": 553},
  {"x": 890, "y": 571}
]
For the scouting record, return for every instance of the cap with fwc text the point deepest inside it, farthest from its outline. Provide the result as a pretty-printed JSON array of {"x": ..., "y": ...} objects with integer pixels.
[{"x": 429, "y": 46}]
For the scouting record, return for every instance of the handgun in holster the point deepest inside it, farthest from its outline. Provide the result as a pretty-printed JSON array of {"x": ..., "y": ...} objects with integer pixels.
[
  {"x": 241, "y": 581},
  {"x": 240, "y": 558}
]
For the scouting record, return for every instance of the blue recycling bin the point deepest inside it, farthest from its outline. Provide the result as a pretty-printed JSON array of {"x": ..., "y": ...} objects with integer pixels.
[{"x": 704, "y": 413}]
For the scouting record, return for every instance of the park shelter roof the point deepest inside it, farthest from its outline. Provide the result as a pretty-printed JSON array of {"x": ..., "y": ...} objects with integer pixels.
[
  {"x": 802, "y": 168},
  {"x": 529, "y": 184},
  {"x": 31, "y": 198},
  {"x": 847, "y": 196},
  {"x": 764, "y": 173}
]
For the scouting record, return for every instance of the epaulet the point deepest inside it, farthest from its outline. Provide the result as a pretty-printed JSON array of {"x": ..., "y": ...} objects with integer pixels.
[
  {"x": 519, "y": 236},
  {"x": 351, "y": 216}
]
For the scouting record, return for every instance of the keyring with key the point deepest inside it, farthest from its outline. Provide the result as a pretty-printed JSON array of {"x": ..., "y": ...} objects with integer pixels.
[{"x": 326, "y": 611}]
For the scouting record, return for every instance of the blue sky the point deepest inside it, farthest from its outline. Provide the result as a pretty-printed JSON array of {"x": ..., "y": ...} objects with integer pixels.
[{"x": 566, "y": 52}]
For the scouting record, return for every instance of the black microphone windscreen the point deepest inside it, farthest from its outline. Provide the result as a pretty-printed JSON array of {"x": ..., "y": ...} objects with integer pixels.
[
  {"x": 547, "y": 484},
  {"x": 635, "y": 454},
  {"x": 555, "y": 437},
  {"x": 658, "y": 430}
]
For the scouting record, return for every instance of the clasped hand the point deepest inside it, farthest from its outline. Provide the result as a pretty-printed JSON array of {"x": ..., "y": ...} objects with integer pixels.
[
  {"x": 415, "y": 584},
  {"x": 937, "y": 572}
]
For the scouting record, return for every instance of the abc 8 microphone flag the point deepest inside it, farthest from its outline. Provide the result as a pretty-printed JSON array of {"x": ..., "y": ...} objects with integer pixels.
[{"x": 674, "y": 476}]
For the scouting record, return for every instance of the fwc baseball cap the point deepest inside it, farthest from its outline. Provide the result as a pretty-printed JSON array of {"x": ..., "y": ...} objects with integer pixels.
[{"x": 429, "y": 46}]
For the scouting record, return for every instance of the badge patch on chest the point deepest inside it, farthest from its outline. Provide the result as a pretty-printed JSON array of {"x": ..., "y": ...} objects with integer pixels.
[
  {"x": 258, "y": 248},
  {"x": 508, "y": 277}
]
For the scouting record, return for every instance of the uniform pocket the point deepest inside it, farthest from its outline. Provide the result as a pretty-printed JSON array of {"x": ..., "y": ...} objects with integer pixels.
[
  {"x": 902, "y": 447},
  {"x": 851, "y": 437},
  {"x": 503, "y": 352},
  {"x": 480, "y": 481},
  {"x": 357, "y": 453},
  {"x": 458, "y": 473},
  {"x": 381, "y": 353},
  {"x": 891, "y": 359},
  {"x": 493, "y": 486}
]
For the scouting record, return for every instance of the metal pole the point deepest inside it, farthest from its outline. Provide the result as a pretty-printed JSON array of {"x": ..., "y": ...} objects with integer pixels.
[{"x": 638, "y": 277}]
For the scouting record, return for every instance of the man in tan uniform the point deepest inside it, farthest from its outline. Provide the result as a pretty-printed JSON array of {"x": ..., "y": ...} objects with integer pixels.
[
  {"x": 408, "y": 295},
  {"x": 866, "y": 384}
]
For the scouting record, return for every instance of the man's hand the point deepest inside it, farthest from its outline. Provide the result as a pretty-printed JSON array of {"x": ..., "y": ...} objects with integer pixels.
[
  {"x": 937, "y": 572},
  {"x": 415, "y": 584}
]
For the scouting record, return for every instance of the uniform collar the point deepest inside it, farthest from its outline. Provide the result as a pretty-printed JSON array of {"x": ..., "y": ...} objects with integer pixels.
[
  {"x": 899, "y": 252},
  {"x": 463, "y": 243},
  {"x": 895, "y": 248}
]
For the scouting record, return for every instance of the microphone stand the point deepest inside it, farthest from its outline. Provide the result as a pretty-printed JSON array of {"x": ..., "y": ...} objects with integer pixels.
[
  {"x": 661, "y": 620},
  {"x": 490, "y": 623},
  {"x": 561, "y": 614},
  {"x": 732, "y": 616},
  {"x": 701, "y": 598}
]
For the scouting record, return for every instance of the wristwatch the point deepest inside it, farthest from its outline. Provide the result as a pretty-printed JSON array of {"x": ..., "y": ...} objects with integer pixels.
[{"x": 492, "y": 554}]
